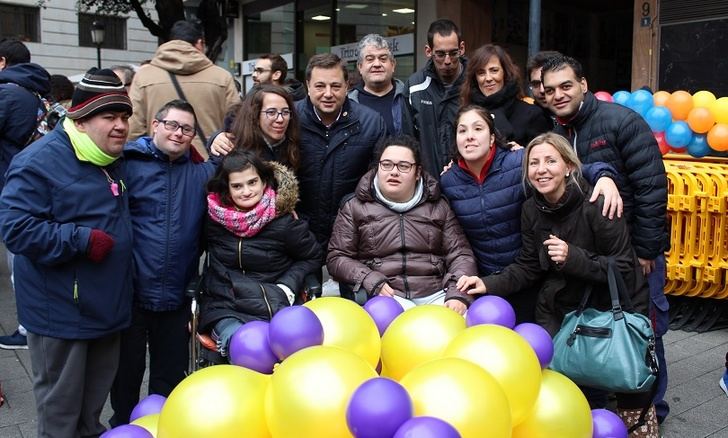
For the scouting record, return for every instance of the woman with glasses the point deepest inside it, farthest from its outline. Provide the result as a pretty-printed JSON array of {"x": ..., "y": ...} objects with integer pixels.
[
  {"x": 265, "y": 123},
  {"x": 397, "y": 236},
  {"x": 492, "y": 81},
  {"x": 259, "y": 253}
]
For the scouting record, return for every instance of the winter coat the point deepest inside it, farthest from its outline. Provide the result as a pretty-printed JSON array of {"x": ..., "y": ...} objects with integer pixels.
[
  {"x": 210, "y": 89},
  {"x": 49, "y": 206},
  {"x": 167, "y": 200},
  {"x": 515, "y": 120},
  {"x": 432, "y": 110},
  {"x": 399, "y": 104},
  {"x": 417, "y": 253},
  {"x": 333, "y": 160},
  {"x": 20, "y": 87},
  {"x": 613, "y": 134},
  {"x": 591, "y": 239},
  {"x": 243, "y": 273},
  {"x": 490, "y": 212}
]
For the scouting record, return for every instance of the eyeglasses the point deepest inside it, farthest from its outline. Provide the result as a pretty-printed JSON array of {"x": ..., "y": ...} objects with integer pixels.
[
  {"x": 440, "y": 55},
  {"x": 172, "y": 126},
  {"x": 534, "y": 85},
  {"x": 273, "y": 114},
  {"x": 260, "y": 70},
  {"x": 402, "y": 166}
]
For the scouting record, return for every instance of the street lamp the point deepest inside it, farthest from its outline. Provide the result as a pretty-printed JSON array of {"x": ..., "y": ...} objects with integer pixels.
[{"x": 97, "y": 37}]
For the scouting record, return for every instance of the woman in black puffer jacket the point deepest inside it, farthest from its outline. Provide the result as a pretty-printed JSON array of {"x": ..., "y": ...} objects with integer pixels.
[{"x": 259, "y": 253}]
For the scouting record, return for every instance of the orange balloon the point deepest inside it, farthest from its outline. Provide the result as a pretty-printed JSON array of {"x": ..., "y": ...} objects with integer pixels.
[
  {"x": 660, "y": 98},
  {"x": 718, "y": 137},
  {"x": 680, "y": 103},
  {"x": 701, "y": 120}
]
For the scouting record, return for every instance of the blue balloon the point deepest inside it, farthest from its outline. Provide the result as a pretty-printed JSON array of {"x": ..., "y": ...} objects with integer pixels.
[
  {"x": 659, "y": 118},
  {"x": 621, "y": 97},
  {"x": 426, "y": 427},
  {"x": 698, "y": 146},
  {"x": 678, "y": 134},
  {"x": 640, "y": 101}
]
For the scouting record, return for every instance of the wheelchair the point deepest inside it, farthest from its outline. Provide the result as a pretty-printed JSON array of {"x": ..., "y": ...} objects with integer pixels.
[{"x": 203, "y": 349}]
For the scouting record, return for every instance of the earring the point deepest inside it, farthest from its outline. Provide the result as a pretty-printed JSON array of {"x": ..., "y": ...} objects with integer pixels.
[{"x": 567, "y": 174}]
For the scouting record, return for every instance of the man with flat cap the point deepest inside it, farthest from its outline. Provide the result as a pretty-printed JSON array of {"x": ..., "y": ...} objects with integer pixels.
[{"x": 64, "y": 212}]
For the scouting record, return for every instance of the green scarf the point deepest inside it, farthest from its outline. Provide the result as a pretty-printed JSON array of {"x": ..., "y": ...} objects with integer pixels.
[{"x": 84, "y": 147}]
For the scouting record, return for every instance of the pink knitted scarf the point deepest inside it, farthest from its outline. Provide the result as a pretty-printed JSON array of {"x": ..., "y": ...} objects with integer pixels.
[{"x": 243, "y": 223}]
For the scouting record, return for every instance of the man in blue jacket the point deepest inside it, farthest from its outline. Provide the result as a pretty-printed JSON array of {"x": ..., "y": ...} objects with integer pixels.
[
  {"x": 338, "y": 137},
  {"x": 167, "y": 200},
  {"x": 21, "y": 85},
  {"x": 64, "y": 213}
]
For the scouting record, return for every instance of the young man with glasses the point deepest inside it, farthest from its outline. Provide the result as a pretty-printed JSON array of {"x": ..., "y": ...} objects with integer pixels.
[
  {"x": 433, "y": 94},
  {"x": 271, "y": 68},
  {"x": 533, "y": 75},
  {"x": 167, "y": 203}
]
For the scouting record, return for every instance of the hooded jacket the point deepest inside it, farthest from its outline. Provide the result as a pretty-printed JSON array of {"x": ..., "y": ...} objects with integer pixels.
[
  {"x": 243, "y": 273},
  {"x": 616, "y": 135},
  {"x": 399, "y": 105},
  {"x": 432, "y": 108},
  {"x": 20, "y": 86},
  {"x": 167, "y": 204},
  {"x": 418, "y": 252},
  {"x": 333, "y": 159},
  {"x": 50, "y": 204},
  {"x": 208, "y": 88}
]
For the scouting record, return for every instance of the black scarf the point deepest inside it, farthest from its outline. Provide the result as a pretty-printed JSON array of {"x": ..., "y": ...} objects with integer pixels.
[
  {"x": 503, "y": 99},
  {"x": 573, "y": 197}
]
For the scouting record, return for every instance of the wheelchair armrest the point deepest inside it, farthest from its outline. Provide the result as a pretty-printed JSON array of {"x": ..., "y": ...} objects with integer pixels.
[{"x": 194, "y": 287}]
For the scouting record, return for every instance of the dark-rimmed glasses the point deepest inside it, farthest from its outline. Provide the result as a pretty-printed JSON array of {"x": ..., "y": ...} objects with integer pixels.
[
  {"x": 402, "y": 166},
  {"x": 273, "y": 114},
  {"x": 440, "y": 55},
  {"x": 172, "y": 126}
]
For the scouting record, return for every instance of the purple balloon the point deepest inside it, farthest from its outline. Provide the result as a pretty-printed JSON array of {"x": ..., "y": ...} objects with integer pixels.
[
  {"x": 292, "y": 329},
  {"x": 250, "y": 348},
  {"x": 607, "y": 424},
  {"x": 152, "y": 404},
  {"x": 378, "y": 408},
  {"x": 490, "y": 309},
  {"x": 539, "y": 339},
  {"x": 383, "y": 310},
  {"x": 426, "y": 427},
  {"x": 127, "y": 431}
]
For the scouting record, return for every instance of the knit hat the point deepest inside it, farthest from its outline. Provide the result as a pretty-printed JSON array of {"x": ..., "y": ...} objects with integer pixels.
[{"x": 99, "y": 90}]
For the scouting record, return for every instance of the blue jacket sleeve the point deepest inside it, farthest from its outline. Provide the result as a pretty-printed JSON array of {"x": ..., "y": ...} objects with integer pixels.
[
  {"x": 594, "y": 171},
  {"x": 27, "y": 221}
]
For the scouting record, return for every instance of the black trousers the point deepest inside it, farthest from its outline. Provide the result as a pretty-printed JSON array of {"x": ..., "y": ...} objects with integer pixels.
[{"x": 167, "y": 335}]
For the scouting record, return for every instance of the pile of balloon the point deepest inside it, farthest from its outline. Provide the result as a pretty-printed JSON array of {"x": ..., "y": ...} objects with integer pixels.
[
  {"x": 681, "y": 122},
  {"x": 332, "y": 368}
]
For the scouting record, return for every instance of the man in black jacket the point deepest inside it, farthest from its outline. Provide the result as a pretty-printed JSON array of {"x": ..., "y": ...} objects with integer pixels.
[
  {"x": 613, "y": 134},
  {"x": 433, "y": 94}
]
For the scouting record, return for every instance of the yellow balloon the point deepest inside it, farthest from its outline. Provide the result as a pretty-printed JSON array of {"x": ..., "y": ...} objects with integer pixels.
[
  {"x": 310, "y": 390},
  {"x": 149, "y": 422},
  {"x": 506, "y": 356},
  {"x": 219, "y": 401},
  {"x": 418, "y": 335},
  {"x": 719, "y": 108},
  {"x": 461, "y": 393},
  {"x": 347, "y": 325},
  {"x": 561, "y": 410},
  {"x": 703, "y": 99}
]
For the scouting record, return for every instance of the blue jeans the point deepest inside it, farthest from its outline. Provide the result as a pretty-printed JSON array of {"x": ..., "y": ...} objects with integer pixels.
[
  {"x": 659, "y": 315},
  {"x": 222, "y": 332}
]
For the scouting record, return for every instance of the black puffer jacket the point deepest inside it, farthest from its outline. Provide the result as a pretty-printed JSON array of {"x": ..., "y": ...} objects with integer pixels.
[
  {"x": 616, "y": 135},
  {"x": 333, "y": 160},
  {"x": 243, "y": 273},
  {"x": 591, "y": 238},
  {"x": 432, "y": 108}
]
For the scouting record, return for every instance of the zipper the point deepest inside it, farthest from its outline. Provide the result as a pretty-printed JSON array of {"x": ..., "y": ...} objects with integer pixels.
[
  {"x": 75, "y": 289},
  {"x": 168, "y": 227},
  {"x": 594, "y": 332},
  {"x": 267, "y": 303},
  {"x": 404, "y": 257},
  {"x": 240, "y": 254}
]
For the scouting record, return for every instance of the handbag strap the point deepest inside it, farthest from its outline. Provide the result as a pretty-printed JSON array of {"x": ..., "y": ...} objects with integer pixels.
[{"x": 181, "y": 95}]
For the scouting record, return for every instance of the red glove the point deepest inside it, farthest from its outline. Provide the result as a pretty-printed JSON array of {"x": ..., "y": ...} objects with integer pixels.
[{"x": 99, "y": 246}]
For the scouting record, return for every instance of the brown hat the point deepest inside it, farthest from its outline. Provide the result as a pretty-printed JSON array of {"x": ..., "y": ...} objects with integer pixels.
[{"x": 100, "y": 90}]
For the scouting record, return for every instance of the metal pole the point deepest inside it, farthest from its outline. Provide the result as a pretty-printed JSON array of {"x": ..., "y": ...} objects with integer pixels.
[
  {"x": 98, "y": 55},
  {"x": 534, "y": 27}
]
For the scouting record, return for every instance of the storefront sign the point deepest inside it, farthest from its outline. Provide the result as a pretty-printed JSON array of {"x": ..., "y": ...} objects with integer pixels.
[{"x": 400, "y": 45}]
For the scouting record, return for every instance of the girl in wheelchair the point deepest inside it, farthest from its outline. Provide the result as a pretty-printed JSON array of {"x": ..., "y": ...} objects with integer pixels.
[{"x": 258, "y": 252}]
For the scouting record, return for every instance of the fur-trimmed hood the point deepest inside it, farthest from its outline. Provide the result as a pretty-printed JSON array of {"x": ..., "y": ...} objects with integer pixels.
[{"x": 287, "y": 193}]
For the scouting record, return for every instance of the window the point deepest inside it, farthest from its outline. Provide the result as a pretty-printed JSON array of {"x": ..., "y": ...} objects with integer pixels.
[
  {"x": 114, "y": 31},
  {"x": 20, "y": 22}
]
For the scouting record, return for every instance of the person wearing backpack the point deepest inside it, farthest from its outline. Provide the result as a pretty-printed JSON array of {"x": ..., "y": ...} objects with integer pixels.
[{"x": 22, "y": 85}]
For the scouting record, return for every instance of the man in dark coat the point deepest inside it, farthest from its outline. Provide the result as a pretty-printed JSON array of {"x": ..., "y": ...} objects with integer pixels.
[
  {"x": 613, "y": 134},
  {"x": 21, "y": 86}
]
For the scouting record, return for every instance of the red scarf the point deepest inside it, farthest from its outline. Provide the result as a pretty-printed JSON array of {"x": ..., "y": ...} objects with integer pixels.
[{"x": 243, "y": 223}]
